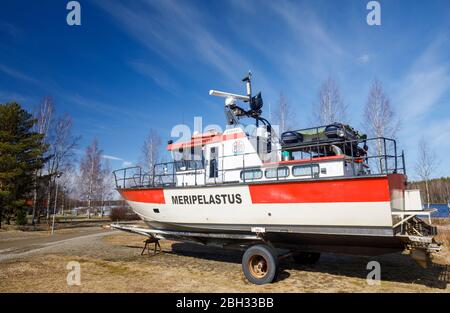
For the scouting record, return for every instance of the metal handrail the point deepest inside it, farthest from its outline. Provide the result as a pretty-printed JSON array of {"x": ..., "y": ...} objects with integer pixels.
[{"x": 156, "y": 179}]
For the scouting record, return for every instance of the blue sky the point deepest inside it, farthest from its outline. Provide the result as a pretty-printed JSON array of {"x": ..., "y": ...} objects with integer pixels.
[{"x": 136, "y": 65}]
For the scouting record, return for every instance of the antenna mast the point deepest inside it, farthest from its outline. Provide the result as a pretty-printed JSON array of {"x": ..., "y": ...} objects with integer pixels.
[{"x": 234, "y": 112}]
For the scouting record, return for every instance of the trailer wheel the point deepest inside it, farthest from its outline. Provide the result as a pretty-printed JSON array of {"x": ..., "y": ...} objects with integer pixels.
[
  {"x": 306, "y": 257},
  {"x": 260, "y": 264}
]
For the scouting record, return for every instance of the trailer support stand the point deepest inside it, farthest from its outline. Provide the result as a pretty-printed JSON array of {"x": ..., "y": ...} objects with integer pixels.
[{"x": 157, "y": 246}]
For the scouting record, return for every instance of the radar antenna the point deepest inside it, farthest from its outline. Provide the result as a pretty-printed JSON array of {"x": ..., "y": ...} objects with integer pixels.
[{"x": 234, "y": 112}]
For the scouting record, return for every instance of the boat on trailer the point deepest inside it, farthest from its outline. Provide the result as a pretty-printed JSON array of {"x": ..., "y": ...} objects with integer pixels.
[{"x": 305, "y": 191}]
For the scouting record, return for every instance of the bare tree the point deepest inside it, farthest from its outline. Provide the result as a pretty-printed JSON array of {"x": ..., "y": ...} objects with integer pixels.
[
  {"x": 331, "y": 107},
  {"x": 284, "y": 116},
  {"x": 380, "y": 120},
  {"x": 44, "y": 116},
  {"x": 150, "y": 151},
  {"x": 427, "y": 163},
  {"x": 106, "y": 188},
  {"x": 57, "y": 133},
  {"x": 90, "y": 179},
  {"x": 67, "y": 184},
  {"x": 62, "y": 145}
]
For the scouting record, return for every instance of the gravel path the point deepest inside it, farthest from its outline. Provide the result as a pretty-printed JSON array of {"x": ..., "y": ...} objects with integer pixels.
[{"x": 17, "y": 248}]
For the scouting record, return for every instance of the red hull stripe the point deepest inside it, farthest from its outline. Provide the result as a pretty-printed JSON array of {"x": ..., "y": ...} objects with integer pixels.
[
  {"x": 147, "y": 196},
  {"x": 345, "y": 190}
]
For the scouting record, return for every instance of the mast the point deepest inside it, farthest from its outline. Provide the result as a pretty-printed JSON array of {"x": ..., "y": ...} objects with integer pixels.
[{"x": 234, "y": 112}]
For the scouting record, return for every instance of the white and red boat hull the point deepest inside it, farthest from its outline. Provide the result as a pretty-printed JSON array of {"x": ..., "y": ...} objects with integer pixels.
[{"x": 347, "y": 206}]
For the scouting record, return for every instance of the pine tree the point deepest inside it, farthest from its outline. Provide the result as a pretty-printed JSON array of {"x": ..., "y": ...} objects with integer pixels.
[{"x": 21, "y": 154}]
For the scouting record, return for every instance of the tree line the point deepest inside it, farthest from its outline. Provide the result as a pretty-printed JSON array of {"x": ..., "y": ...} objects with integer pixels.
[
  {"x": 39, "y": 171},
  {"x": 439, "y": 189}
]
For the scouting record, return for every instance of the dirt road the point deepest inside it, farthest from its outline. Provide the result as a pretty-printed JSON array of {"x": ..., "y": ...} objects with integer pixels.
[{"x": 111, "y": 262}]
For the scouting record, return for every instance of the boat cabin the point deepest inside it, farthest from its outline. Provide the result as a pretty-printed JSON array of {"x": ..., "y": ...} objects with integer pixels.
[
  {"x": 237, "y": 157},
  {"x": 250, "y": 155}
]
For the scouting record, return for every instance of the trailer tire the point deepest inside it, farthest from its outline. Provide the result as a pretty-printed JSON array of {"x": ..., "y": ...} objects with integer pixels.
[
  {"x": 260, "y": 264},
  {"x": 306, "y": 257}
]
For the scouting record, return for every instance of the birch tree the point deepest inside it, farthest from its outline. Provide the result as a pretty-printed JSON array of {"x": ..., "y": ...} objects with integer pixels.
[
  {"x": 284, "y": 115},
  {"x": 150, "y": 151},
  {"x": 90, "y": 179},
  {"x": 331, "y": 107},
  {"x": 67, "y": 185},
  {"x": 43, "y": 116},
  {"x": 379, "y": 120},
  {"x": 106, "y": 188},
  {"x": 62, "y": 144},
  {"x": 426, "y": 165}
]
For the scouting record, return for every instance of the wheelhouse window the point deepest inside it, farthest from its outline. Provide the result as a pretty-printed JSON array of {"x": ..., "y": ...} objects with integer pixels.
[
  {"x": 279, "y": 172},
  {"x": 190, "y": 159},
  {"x": 251, "y": 174},
  {"x": 188, "y": 165},
  {"x": 310, "y": 170}
]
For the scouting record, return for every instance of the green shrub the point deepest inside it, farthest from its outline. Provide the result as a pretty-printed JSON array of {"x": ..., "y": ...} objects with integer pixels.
[{"x": 21, "y": 216}]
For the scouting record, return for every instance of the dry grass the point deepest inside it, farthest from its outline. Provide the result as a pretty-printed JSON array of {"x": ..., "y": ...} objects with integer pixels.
[
  {"x": 114, "y": 264},
  {"x": 444, "y": 237},
  {"x": 441, "y": 221},
  {"x": 117, "y": 266}
]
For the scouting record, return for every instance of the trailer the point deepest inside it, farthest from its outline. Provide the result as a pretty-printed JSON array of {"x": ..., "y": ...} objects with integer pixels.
[{"x": 263, "y": 251}]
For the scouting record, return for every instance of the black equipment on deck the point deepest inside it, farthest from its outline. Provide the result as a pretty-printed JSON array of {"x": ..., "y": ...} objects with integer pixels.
[{"x": 326, "y": 137}]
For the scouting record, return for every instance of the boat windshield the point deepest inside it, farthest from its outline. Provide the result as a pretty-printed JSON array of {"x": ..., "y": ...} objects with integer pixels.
[{"x": 188, "y": 165}]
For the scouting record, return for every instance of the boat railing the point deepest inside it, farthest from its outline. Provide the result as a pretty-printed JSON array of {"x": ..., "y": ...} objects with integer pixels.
[{"x": 385, "y": 160}]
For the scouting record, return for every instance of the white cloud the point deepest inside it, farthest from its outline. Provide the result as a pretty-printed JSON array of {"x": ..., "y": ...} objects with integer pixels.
[
  {"x": 6, "y": 96},
  {"x": 307, "y": 27},
  {"x": 17, "y": 74},
  {"x": 9, "y": 29},
  {"x": 176, "y": 31},
  {"x": 427, "y": 80},
  {"x": 184, "y": 36},
  {"x": 159, "y": 77},
  {"x": 304, "y": 51},
  {"x": 126, "y": 163},
  {"x": 418, "y": 94},
  {"x": 364, "y": 58},
  {"x": 111, "y": 157}
]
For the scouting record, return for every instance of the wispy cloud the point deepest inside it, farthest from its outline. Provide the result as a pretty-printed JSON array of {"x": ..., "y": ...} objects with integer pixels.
[
  {"x": 14, "y": 73},
  {"x": 427, "y": 80},
  {"x": 9, "y": 29},
  {"x": 179, "y": 33},
  {"x": 100, "y": 107},
  {"x": 364, "y": 58},
  {"x": 298, "y": 44},
  {"x": 159, "y": 77},
  {"x": 111, "y": 157},
  {"x": 50, "y": 87},
  {"x": 7, "y": 96},
  {"x": 307, "y": 27},
  {"x": 125, "y": 163},
  {"x": 417, "y": 96}
]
